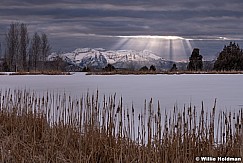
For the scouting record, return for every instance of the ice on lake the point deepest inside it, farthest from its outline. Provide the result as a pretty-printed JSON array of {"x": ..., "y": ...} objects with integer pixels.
[{"x": 170, "y": 90}]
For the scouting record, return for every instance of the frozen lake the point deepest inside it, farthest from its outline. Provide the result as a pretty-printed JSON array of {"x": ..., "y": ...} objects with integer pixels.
[{"x": 170, "y": 90}]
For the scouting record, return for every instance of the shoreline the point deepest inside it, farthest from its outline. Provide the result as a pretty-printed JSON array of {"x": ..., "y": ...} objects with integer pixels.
[
  {"x": 161, "y": 72},
  {"x": 124, "y": 73},
  {"x": 36, "y": 73}
]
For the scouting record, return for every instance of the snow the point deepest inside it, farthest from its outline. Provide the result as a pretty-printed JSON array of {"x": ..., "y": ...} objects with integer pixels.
[
  {"x": 82, "y": 55},
  {"x": 170, "y": 90}
]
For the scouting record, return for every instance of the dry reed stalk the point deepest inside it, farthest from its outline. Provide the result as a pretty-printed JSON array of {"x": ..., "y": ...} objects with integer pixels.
[{"x": 57, "y": 128}]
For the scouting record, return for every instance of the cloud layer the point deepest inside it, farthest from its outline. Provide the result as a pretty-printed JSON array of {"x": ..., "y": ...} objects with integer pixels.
[{"x": 76, "y": 19}]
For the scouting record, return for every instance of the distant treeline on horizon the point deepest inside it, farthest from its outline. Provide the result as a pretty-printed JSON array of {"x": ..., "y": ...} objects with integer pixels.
[{"x": 25, "y": 53}]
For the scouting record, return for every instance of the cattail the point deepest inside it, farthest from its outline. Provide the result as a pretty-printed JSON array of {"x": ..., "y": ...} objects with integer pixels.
[{"x": 56, "y": 127}]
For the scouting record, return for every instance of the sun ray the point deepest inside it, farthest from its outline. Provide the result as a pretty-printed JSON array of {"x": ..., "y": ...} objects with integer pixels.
[
  {"x": 120, "y": 44},
  {"x": 154, "y": 37},
  {"x": 169, "y": 47}
]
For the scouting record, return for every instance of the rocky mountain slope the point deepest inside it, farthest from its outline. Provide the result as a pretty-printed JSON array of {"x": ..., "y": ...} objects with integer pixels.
[{"x": 123, "y": 59}]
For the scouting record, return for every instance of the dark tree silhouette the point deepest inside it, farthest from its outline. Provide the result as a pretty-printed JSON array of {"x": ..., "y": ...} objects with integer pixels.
[
  {"x": 152, "y": 68},
  {"x": 20, "y": 53},
  {"x": 0, "y": 49},
  {"x": 24, "y": 43},
  {"x": 144, "y": 68},
  {"x": 12, "y": 46},
  {"x": 231, "y": 58},
  {"x": 86, "y": 69},
  {"x": 109, "y": 67},
  {"x": 5, "y": 66},
  {"x": 195, "y": 63},
  {"x": 59, "y": 63},
  {"x": 35, "y": 50},
  {"x": 173, "y": 68},
  {"x": 45, "y": 49}
]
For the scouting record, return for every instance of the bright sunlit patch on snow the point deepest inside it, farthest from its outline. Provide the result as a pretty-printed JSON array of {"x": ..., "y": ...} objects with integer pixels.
[{"x": 172, "y": 47}]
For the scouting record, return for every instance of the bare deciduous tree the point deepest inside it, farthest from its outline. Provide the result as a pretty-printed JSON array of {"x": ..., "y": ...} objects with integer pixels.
[
  {"x": 12, "y": 46},
  {"x": 24, "y": 42},
  {"x": 45, "y": 46},
  {"x": 20, "y": 53},
  {"x": 17, "y": 41},
  {"x": 45, "y": 49},
  {"x": 35, "y": 50}
]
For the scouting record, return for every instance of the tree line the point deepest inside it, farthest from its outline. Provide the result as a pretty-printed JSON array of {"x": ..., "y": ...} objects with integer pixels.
[
  {"x": 23, "y": 53},
  {"x": 229, "y": 59}
]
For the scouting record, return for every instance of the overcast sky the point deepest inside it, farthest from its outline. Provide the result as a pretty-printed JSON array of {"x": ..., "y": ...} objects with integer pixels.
[{"x": 67, "y": 20}]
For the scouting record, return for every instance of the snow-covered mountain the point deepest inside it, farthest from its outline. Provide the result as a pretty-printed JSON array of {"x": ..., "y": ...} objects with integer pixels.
[{"x": 99, "y": 58}]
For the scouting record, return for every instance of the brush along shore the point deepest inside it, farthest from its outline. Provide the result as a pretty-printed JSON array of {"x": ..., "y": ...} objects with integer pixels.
[
  {"x": 56, "y": 128},
  {"x": 36, "y": 73},
  {"x": 160, "y": 72}
]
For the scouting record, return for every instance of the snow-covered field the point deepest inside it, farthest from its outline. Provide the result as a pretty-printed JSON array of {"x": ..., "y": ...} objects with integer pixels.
[{"x": 170, "y": 90}]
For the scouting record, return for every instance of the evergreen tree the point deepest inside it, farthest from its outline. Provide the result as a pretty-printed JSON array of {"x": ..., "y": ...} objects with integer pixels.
[
  {"x": 152, "y": 68},
  {"x": 144, "y": 68},
  {"x": 86, "y": 69},
  {"x": 173, "y": 68},
  {"x": 109, "y": 67},
  {"x": 195, "y": 63},
  {"x": 230, "y": 58}
]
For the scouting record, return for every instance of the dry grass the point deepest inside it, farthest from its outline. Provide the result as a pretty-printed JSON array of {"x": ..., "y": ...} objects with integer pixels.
[
  {"x": 56, "y": 128},
  {"x": 122, "y": 72},
  {"x": 203, "y": 72},
  {"x": 41, "y": 73},
  {"x": 127, "y": 72}
]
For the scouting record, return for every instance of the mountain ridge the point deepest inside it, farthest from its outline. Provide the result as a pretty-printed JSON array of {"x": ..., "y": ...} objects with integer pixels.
[{"x": 98, "y": 58}]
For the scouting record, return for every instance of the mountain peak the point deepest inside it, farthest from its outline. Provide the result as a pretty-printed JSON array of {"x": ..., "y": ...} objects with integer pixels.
[{"x": 99, "y": 57}]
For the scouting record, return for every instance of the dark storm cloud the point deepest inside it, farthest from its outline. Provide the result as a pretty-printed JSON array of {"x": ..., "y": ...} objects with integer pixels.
[{"x": 76, "y": 18}]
